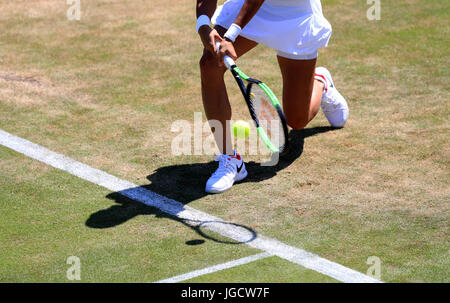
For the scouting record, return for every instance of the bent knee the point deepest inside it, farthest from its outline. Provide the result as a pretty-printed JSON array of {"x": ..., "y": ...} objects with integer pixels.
[{"x": 297, "y": 123}]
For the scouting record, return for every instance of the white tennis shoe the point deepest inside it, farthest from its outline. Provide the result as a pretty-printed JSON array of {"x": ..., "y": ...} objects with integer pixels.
[
  {"x": 231, "y": 169},
  {"x": 333, "y": 104}
]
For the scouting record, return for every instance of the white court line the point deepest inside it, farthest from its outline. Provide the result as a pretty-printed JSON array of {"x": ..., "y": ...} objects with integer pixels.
[
  {"x": 211, "y": 269},
  {"x": 184, "y": 212}
]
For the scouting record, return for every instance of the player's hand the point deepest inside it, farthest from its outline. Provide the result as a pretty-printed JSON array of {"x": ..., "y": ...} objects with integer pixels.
[
  {"x": 209, "y": 37},
  {"x": 226, "y": 49}
]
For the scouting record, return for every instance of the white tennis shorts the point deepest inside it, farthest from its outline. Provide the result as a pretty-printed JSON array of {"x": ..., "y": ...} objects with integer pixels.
[{"x": 296, "y": 29}]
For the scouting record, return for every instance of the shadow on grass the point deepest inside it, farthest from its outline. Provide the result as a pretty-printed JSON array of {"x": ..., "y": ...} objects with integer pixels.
[{"x": 185, "y": 183}]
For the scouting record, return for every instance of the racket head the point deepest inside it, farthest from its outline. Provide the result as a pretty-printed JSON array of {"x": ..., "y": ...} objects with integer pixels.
[{"x": 269, "y": 118}]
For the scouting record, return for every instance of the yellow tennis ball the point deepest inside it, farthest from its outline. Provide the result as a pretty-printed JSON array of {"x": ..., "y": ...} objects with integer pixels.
[{"x": 241, "y": 129}]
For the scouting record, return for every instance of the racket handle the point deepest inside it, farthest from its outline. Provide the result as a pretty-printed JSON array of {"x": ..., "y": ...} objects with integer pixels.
[{"x": 229, "y": 62}]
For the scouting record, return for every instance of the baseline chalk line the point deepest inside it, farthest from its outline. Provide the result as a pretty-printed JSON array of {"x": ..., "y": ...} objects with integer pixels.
[
  {"x": 218, "y": 267},
  {"x": 184, "y": 212}
]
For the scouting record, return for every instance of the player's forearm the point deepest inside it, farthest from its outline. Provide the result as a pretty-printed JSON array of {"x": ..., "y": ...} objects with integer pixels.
[
  {"x": 206, "y": 7},
  {"x": 247, "y": 12}
]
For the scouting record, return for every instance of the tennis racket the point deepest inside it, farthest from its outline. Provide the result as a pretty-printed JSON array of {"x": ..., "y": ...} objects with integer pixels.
[{"x": 264, "y": 108}]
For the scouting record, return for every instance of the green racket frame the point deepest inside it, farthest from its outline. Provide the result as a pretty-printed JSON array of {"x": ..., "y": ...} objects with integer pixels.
[{"x": 246, "y": 91}]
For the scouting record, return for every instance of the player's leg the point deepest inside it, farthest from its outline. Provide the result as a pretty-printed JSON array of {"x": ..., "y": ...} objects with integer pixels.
[
  {"x": 214, "y": 94},
  {"x": 301, "y": 92},
  {"x": 306, "y": 89},
  {"x": 217, "y": 107}
]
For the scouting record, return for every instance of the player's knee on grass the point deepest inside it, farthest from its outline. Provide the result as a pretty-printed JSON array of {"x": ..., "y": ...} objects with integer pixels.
[{"x": 296, "y": 123}]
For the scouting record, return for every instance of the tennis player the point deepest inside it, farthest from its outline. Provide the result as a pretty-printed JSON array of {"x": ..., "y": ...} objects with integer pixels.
[{"x": 296, "y": 30}]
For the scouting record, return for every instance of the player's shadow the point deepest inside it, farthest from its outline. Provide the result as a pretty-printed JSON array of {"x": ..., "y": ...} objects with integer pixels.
[{"x": 186, "y": 183}]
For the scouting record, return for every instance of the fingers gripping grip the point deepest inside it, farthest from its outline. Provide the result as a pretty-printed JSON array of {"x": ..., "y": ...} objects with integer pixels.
[{"x": 229, "y": 62}]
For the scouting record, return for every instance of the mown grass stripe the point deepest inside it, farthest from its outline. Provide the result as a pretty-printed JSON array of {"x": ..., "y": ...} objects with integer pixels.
[{"x": 184, "y": 212}]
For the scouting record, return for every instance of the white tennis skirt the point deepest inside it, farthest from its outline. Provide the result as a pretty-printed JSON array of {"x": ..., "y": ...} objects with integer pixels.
[{"x": 295, "y": 28}]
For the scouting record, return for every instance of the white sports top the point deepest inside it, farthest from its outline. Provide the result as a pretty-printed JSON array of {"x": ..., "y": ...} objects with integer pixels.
[{"x": 295, "y": 27}]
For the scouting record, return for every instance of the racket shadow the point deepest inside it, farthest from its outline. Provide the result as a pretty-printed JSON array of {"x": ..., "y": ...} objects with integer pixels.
[
  {"x": 186, "y": 183},
  {"x": 183, "y": 183},
  {"x": 126, "y": 209}
]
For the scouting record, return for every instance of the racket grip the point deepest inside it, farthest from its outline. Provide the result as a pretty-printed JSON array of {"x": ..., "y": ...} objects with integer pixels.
[{"x": 229, "y": 62}]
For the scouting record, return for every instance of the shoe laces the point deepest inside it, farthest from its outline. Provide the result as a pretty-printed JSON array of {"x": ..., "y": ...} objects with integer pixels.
[
  {"x": 330, "y": 102},
  {"x": 225, "y": 165}
]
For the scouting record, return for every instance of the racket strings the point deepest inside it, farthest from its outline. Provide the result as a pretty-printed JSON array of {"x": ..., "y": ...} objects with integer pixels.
[{"x": 268, "y": 117}]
